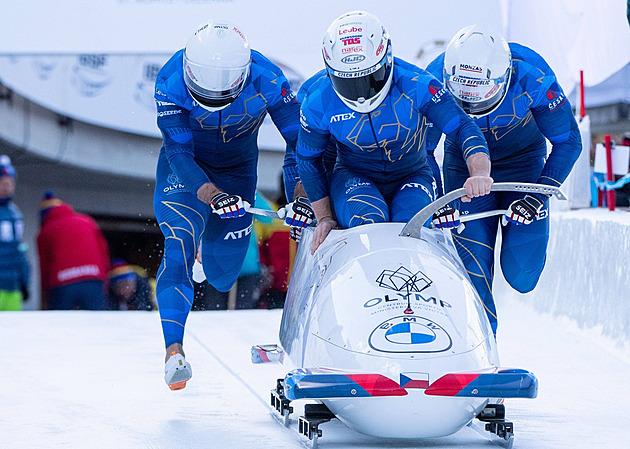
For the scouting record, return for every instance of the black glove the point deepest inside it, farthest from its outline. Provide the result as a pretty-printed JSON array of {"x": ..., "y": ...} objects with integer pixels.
[
  {"x": 295, "y": 233},
  {"x": 228, "y": 206},
  {"x": 523, "y": 211},
  {"x": 25, "y": 292},
  {"x": 299, "y": 213},
  {"x": 446, "y": 217}
]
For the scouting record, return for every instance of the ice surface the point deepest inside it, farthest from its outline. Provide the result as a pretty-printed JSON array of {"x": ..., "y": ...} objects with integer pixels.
[{"x": 94, "y": 380}]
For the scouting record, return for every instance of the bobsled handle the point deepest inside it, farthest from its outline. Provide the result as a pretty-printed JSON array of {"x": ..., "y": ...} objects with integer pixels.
[
  {"x": 414, "y": 227},
  {"x": 279, "y": 214}
]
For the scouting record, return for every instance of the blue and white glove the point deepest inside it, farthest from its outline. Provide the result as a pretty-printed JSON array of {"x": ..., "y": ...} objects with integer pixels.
[
  {"x": 446, "y": 217},
  {"x": 299, "y": 213},
  {"x": 295, "y": 233},
  {"x": 228, "y": 206},
  {"x": 522, "y": 211}
]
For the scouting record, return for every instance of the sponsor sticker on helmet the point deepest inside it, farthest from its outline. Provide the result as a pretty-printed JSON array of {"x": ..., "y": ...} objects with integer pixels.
[
  {"x": 352, "y": 59},
  {"x": 352, "y": 29}
]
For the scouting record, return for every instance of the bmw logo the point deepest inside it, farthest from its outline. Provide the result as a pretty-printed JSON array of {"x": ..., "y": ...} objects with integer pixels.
[{"x": 410, "y": 334}]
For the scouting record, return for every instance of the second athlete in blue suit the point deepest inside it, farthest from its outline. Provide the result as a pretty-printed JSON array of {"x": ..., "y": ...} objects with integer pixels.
[{"x": 377, "y": 109}]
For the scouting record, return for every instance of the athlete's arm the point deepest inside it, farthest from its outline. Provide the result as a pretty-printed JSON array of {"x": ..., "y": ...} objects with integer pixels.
[
  {"x": 285, "y": 113},
  {"x": 444, "y": 113},
  {"x": 311, "y": 146},
  {"x": 555, "y": 120},
  {"x": 173, "y": 122}
]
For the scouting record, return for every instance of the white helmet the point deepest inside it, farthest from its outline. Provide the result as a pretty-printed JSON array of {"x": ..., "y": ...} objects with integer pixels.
[
  {"x": 358, "y": 57},
  {"x": 477, "y": 69},
  {"x": 216, "y": 64}
]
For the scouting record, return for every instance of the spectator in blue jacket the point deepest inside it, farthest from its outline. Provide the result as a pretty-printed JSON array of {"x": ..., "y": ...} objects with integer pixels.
[{"x": 14, "y": 269}]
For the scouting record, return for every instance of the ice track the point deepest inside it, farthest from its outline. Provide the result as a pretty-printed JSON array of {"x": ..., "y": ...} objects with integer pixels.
[{"x": 94, "y": 380}]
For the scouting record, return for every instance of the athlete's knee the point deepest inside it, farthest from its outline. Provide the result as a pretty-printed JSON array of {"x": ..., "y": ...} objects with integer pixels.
[
  {"x": 222, "y": 263},
  {"x": 523, "y": 283},
  {"x": 521, "y": 278},
  {"x": 224, "y": 283},
  {"x": 368, "y": 218}
]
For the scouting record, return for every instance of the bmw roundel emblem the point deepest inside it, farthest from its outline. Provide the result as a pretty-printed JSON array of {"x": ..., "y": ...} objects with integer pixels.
[{"x": 410, "y": 334}]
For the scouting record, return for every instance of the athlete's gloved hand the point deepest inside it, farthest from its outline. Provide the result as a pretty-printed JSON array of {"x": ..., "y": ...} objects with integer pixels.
[
  {"x": 446, "y": 217},
  {"x": 522, "y": 211},
  {"x": 295, "y": 233},
  {"x": 299, "y": 213},
  {"x": 228, "y": 206}
]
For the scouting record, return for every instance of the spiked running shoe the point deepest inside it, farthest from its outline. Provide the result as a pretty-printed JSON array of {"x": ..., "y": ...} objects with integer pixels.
[{"x": 177, "y": 371}]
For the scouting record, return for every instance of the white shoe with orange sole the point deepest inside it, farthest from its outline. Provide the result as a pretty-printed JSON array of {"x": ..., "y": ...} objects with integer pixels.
[{"x": 177, "y": 371}]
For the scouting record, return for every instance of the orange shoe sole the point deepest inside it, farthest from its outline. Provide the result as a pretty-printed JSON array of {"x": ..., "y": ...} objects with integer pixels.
[{"x": 178, "y": 385}]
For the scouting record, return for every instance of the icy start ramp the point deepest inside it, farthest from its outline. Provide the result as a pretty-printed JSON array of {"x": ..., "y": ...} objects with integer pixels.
[{"x": 94, "y": 380}]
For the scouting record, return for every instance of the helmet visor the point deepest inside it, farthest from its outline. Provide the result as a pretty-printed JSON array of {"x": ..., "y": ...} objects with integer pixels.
[
  {"x": 214, "y": 86},
  {"x": 477, "y": 96},
  {"x": 362, "y": 83}
]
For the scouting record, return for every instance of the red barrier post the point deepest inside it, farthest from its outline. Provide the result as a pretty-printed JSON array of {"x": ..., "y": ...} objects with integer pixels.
[
  {"x": 582, "y": 106},
  {"x": 610, "y": 198}
]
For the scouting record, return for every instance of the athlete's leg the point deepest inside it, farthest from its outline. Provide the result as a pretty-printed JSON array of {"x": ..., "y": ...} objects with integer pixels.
[
  {"x": 356, "y": 200},
  {"x": 182, "y": 219},
  {"x": 414, "y": 193},
  {"x": 225, "y": 240},
  {"x": 524, "y": 248},
  {"x": 475, "y": 244}
]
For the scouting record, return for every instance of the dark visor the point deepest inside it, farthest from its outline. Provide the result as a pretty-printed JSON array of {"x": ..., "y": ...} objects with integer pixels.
[
  {"x": 211, "y": 102},
  {"x": 353, "y": 87}
]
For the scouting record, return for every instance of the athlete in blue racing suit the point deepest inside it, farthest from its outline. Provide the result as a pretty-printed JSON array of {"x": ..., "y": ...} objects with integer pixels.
[
  {"x": 381, "y": 172},
  {"x": 532, "y": 108},
  {"x": 209, "y": 149}
]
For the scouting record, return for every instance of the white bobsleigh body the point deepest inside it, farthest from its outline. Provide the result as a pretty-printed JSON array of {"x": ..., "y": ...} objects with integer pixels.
[
  {"x": 389, "y": 333},
  {"x": 373, "y": 302}
]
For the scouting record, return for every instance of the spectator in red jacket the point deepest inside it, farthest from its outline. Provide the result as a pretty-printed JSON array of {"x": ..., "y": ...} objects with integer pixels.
[{"x": 73, "y": 258}]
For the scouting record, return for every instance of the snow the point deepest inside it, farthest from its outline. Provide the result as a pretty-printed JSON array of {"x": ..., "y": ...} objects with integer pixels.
[{"x": 94, "y": 380}]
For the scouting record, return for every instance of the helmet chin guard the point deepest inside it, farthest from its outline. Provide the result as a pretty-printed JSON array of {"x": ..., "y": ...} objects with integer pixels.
[
  {"x": 216, "y": 64},
  {"x": 358, "y": 57},
  {"x": 478, "y": 69}
]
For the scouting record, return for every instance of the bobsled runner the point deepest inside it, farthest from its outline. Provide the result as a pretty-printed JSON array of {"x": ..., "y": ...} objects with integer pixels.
[{"x": 383, "y": 321}]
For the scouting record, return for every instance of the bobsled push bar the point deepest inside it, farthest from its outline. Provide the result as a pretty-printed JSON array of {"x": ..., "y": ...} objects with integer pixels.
[
  {"x": 280, "y": 213},
  {"x": 414, "y": 227},
  {"x": 494, "y": 382}
]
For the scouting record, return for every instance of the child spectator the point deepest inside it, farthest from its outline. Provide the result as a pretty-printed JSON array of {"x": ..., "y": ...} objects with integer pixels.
[{"x": 129, "y": 287}]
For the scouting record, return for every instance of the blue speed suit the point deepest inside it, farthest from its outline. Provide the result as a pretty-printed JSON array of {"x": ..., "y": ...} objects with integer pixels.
[
  {"x": 534, "y": 108},
  {"x": 221, "y": 147},
  {"x": 381, "y": 172}
]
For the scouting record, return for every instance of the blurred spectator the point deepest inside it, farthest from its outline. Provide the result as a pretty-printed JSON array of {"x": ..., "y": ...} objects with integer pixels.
[
  {"x": 277, "y": 252},
  {"x": 73, "y": 258},
  {"x": 129, "y": 287},
  {"x": 14, "y": 269}
]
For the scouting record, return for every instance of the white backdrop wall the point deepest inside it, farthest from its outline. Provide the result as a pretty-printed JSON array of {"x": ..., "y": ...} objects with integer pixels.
[
  {"x": 100, "y": 59},
  {"x": 97, "y": 61}
]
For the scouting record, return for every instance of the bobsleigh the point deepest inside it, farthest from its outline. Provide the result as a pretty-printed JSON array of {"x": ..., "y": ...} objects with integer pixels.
[{"x": 383, "y": 321}]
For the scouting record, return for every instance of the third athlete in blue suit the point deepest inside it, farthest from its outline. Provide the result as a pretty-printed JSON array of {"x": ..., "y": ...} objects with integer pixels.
[{"x": 517, "y": 102}]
